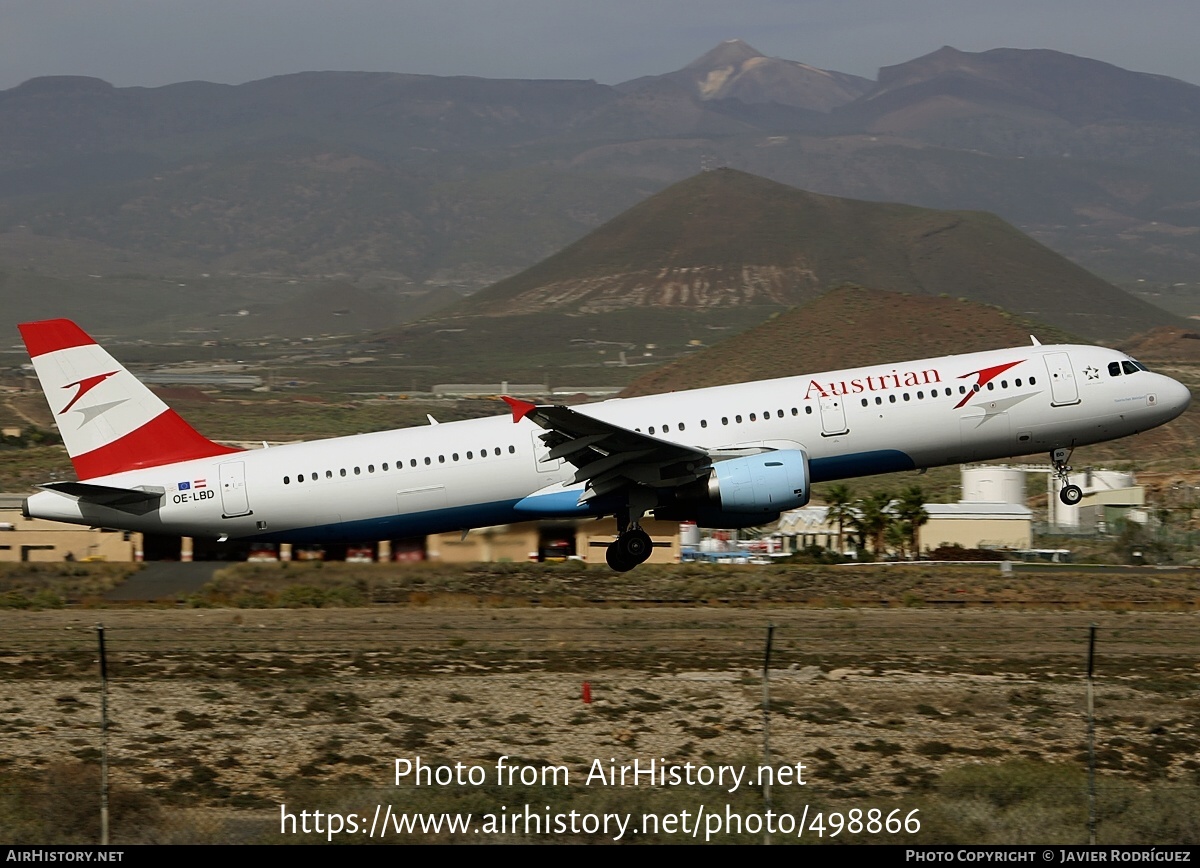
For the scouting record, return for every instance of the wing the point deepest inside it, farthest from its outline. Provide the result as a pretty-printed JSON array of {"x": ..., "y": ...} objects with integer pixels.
[{"x": 607, "y": 457}]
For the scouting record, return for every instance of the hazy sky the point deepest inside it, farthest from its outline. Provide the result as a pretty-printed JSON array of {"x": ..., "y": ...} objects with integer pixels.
[{"x": 155, "y": 42}]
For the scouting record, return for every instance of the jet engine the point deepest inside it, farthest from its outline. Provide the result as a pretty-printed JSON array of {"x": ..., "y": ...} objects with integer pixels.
[{"x": 743, "y": 492}]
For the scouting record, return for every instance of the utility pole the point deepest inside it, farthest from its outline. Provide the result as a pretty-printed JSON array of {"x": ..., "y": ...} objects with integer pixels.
[
  {"x": 766, "y": 704},
  {"x": 1091, "y": 713},
  {"x": 103, "y": 739}
]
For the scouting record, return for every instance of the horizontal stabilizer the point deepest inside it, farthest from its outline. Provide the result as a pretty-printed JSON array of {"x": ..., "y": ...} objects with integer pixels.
[{"x": 106, "y": 495}]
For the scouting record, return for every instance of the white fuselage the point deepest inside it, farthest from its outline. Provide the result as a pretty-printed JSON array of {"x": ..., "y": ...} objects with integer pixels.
[{"x": 483, "y": 472}]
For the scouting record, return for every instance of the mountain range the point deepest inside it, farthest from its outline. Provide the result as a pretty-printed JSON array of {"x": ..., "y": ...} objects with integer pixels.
[{"x": 417, "y": 190}]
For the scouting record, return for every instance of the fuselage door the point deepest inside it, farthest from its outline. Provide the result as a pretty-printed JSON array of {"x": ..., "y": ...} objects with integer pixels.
[
  {"x": 1063, "y": 389},
  {"x": 833, "y": 416},
  {"x": 234, "y": 499}
]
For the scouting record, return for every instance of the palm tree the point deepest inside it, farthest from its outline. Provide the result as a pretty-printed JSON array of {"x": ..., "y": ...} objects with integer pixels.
[
  {"x": 873, "y": 518},
  {"x": 839, "y": 510},
  {"x": 910, "y": 509},
  {"x": 897, "y": 537}
]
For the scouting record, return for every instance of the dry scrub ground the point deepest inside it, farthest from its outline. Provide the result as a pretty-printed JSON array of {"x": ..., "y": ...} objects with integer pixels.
[{"x": 225, "y": 713}]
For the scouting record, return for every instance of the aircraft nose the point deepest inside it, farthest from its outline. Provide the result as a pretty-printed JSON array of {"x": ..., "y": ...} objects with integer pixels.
[{"x": 1174, "y": 397}]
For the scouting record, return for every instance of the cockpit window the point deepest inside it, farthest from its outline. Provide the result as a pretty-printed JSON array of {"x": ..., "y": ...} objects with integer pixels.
[
  {"x": 1114, "y": 369},
  {"x": 1131, "y": 367}
]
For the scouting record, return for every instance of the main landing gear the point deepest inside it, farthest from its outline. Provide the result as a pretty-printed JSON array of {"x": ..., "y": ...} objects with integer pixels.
[
  {"x": 1069, "y": 494},
  {"x": 632, "y": 545},
  {"x": 629, "y": 549}
]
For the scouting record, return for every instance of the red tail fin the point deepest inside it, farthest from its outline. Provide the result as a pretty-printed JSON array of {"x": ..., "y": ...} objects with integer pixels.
[{"x": 108, "y": 419}]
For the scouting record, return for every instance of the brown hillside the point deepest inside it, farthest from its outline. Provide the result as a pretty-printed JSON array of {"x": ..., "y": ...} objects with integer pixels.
[
  {"x": 725, "y": 239},
  {"x": 1166, "y": 344},
  {"x": 847, "y": 327}
]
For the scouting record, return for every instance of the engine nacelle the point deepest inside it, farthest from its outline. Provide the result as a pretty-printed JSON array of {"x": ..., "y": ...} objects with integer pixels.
[
  {"x": 742, "y": 492},
  {"x": 767, "y": 483}
]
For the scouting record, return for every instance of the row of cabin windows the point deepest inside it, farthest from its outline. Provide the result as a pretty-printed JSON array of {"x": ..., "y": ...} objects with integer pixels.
[
  {"x": 412, "y": 462},
  {"x": 907, "y": 396},
  {"x": 962, "y": 390},
  {"x": 681, "y": 426}
]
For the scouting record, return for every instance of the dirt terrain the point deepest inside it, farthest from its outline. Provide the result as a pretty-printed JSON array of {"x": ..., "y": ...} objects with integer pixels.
[{"x": 225, "y": 713}]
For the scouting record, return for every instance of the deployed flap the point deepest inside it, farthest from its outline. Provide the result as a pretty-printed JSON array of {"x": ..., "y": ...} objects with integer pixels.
[{"x": 608, "y": 457}]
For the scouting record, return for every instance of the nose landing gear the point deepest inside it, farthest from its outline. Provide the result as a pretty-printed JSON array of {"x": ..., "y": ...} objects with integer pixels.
[{"x": 1069, "y": 494}]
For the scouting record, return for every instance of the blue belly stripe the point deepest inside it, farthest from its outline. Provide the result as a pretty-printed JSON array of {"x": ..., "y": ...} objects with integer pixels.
[
  {"x": 859, "y": 464},
  {"x": 435, "y": 521}
]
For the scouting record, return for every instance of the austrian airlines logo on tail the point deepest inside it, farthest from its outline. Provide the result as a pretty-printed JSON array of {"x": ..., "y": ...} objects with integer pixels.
[
  {"x": 85, "y": 385},
  {"x": 985, "y": 376}
]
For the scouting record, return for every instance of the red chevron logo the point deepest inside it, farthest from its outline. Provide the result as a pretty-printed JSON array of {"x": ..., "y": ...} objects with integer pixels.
[
  {"x": 985, "y": 376},
  {"x": 85, "y": 385}
]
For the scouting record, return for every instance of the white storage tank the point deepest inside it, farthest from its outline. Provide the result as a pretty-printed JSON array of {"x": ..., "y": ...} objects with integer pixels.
[
  {"x": 689, "y": 534},
  {"x": 993, "y": 484}
]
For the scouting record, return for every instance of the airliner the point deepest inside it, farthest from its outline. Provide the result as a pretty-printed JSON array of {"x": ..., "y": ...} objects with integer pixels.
[{"x": 725, "y": 456}]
